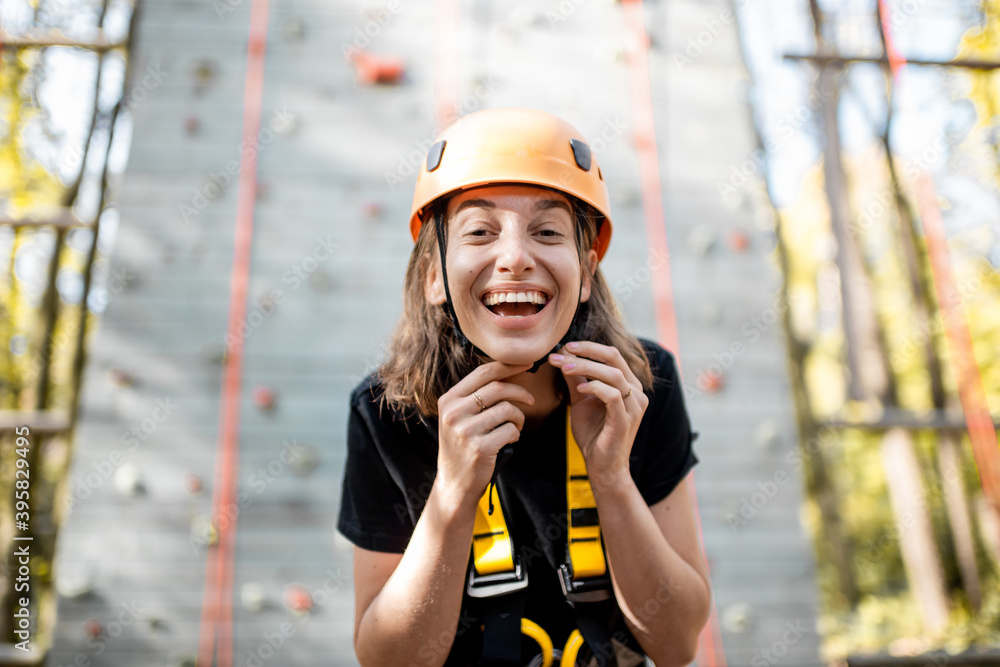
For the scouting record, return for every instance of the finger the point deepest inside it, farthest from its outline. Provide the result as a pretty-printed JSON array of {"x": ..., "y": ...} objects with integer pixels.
[
  {"x": 496, "y": 415},
  {"x": 502, "y": 435},
  {"x": 482, "y": 375},
  {"x": 606, "y": 354},
  {"x": 499, "y": 390},
  {"x": 595, "y": 370},
  {"x": 608, "y": 394}
]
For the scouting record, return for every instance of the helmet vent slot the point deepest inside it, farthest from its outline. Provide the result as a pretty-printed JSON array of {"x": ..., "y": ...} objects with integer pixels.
[
  {"x": 434, "y": 154},
  {"x": 581, "y": 153}
]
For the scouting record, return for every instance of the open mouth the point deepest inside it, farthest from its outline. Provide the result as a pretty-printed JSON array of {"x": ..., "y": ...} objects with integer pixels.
[{"x": 515, "y": 304}]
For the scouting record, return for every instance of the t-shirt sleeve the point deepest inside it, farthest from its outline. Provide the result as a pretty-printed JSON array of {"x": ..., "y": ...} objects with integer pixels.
[
  {"x": 668, "y": 455},
  {"x": 373, "y": 511}
]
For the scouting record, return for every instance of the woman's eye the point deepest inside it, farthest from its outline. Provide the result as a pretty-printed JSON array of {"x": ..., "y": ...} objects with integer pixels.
[{"x": 550, "y": 232}]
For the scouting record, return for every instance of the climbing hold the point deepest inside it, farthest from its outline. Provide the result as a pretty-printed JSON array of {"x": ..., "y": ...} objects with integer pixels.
[
  {"x": 120, "y": 378},
  {"x": 320, "y": 281},
  {"x": 74, "y": 584},
  {"x": 303, "y": 459},
  {"x": 203, "y": 531},
  {"x": 192, "y": 125},
  {"x": 213, "y": 353},
  {"x": 93, "y": 628},
  {"x": 737, "y": 617},
  {"x": 263, "y": 398},
  {"x": 737, "y": 240},
  {"x": 253, "y": 597},
  {"x": 193, "y": 484},
  {"x": 711, "y": 381},
  {"x": 128, "y": 482},
  {"x": 263, "y": 190},
  {"x": 371, "y": 210},
  {"x": 766, "y": 435},
  {"x": 293, "y": 30},
  {"x": 701, "y": 240},
  {"x": 203, "y": 71},
  {"x": 298, "y": 599},
  {"x": 370, "y": 68}
]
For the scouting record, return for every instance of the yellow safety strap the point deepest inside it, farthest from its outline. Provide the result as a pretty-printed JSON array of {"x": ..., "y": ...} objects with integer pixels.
[
  {"x": 586, "y": 556},
  {"x": 492, "y": 548},
  {"x": 572, "y": 648}
]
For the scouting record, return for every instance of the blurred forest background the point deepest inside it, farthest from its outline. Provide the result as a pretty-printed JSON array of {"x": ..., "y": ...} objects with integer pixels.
[{"x": 893, "y": 333}]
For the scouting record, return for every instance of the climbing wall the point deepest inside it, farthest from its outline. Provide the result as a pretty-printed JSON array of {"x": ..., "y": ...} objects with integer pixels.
[{"x": 335, "y": 164}]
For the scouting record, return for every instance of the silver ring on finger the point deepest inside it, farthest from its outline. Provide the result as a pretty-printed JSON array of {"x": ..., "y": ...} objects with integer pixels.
[{"x": 479, "y": 400}]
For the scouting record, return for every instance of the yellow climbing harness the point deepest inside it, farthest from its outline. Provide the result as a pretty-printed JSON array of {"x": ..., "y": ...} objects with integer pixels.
[{"x": 498, "y": 570}]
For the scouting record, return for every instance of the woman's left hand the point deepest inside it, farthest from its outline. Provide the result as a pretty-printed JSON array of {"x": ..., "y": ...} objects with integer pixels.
[{"x": 606, "y": 406}]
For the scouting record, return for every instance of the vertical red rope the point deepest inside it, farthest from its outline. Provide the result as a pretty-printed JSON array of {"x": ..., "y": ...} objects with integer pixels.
[
  {"x": 971, "y": 391},
  {"x": 711, "y": 652},
  {"x": 217, "y": 604}
]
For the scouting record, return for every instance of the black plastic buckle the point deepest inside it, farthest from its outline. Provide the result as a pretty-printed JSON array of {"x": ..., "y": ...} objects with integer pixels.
[
  {"x": 592, "y": 589},
  {"x": 501, "y": 583}
]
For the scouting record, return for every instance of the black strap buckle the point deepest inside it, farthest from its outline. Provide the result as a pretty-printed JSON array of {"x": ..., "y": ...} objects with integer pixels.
[
  {"x": 592, "y": 589},
  {"x": 501, "y": 583}
]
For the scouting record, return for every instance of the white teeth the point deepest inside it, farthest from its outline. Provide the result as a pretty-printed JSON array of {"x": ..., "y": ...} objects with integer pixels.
[{"x": 514, "y": 297}]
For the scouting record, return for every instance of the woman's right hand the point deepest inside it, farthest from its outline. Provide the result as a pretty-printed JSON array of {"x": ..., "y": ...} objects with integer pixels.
[{"x": 469, "y": 437}]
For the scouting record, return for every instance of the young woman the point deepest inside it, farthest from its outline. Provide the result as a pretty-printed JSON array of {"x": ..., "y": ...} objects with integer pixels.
[{"x": 514, "y": 482}]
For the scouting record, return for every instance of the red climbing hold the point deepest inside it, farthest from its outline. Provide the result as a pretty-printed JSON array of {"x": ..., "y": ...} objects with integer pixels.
[
  {"x": 93, "y": 628},
  {"x": 738, "y": 240},
  {"x": 192, "y": 125},
  {"x": 371, "y": 69},
  {"x": 711, "y": 382},
  {"x": 298, "y": 599},
  {"x": 263, "y": 398},
  {"x": 193, "y": 484}
]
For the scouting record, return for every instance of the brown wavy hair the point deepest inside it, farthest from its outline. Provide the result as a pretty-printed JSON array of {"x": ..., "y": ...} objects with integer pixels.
[{"x": 424, "y": 358}]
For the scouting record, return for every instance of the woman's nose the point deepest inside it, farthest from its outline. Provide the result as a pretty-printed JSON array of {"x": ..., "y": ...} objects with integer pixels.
[{"x": 514, "y": 252}]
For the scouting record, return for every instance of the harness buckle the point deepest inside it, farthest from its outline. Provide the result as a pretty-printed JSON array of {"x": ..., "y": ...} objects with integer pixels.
[
  {"x": 501, "y": 583},
  {"x": 592, "y": 589}
]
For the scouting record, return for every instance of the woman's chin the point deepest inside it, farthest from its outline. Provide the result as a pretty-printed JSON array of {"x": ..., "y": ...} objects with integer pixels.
[{"x": 516, "y": 357}]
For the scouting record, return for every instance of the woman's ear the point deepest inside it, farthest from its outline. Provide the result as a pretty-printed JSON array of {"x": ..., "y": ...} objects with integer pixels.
[
  {"x": 588, "y": 276},
  {"x": 434, "y": 286}
]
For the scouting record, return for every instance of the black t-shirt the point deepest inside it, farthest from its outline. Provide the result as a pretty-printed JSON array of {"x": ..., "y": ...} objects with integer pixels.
[{"x": 391, "y": 465}]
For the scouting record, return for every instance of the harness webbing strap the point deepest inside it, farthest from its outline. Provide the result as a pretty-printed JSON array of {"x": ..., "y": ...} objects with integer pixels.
[
  {"x": 492, "y": 548},
  {"x": 586, "y": 555}
]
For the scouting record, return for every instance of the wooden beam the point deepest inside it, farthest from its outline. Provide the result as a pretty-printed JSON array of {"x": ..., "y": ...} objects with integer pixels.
[
  {"x": 840, "y": 61},
  {"x": 937, "y": 420},
  {"x": 45, "y": 421},
  {"x": 100, "y": 44},
  {"x": 64, "y": 218}
]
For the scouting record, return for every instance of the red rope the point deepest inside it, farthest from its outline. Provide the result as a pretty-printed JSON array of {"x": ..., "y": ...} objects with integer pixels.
[
  {"x": 971, "y": 391},
  {"x": 217, "y": 604},
  {"x": 711, "y": 652}
]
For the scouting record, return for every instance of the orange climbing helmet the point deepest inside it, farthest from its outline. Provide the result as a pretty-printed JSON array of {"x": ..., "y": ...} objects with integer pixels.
[{"x": 512, "y": 145}]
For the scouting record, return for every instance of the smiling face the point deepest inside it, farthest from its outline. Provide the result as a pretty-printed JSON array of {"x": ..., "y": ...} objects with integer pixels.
[{"x": 513, "y": 269}]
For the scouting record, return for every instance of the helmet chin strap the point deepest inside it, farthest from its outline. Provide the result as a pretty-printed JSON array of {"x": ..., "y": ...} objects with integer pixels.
[{"x": 576, "y": 327}]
